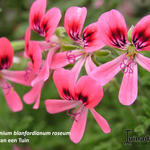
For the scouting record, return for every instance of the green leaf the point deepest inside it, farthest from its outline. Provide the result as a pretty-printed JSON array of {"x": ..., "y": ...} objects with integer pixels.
[{"x": 102, "y": 52}]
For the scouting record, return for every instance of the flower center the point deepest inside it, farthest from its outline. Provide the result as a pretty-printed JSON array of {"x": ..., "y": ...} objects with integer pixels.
[
  {"x": 73, "y": 57},
  {"x": 74, "y": 113},
  {"x": 127, "y": 64},
  {"x": 131, "y": 51},
  {"x": 128, "y": 61}
]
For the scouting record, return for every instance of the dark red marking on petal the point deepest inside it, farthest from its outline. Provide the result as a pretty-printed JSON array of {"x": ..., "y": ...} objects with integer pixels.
[
  {"x": 36, "y": 23},
  {"x": 31, "y": 57},
  {"x": 4, "y": 63},
  {"x": 74, "y": 32},
  {"x": 38, "y": 27},
  {"x": 84, "y": 99},
  {"x": 117, "y": 37},
  {"x": 44, "y": 28},
  {"x": 88, "y": 37},
  {"x": 140, "y": 39},
  {"x": 67, "y": 94}
]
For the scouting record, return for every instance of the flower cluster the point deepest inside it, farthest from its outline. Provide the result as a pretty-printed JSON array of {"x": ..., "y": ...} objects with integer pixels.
[{"x": 78, "y": 93}]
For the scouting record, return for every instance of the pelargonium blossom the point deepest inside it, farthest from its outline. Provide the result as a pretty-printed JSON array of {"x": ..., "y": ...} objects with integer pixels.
[
  {"x": 6, "y": 60},
  {"x": 43, "y": 23},
  {"x": 113, "y": 31},
  {"x": 38, "y": 71},
  {"x": 91, "y": 41},
  {"x": 79, "y": 97}
]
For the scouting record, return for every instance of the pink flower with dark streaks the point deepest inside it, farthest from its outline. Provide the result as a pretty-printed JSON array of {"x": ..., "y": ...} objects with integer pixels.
[
  {"x": 113, "y": 31},
  {"x": 79, "y": 97},
  {"x": 6, "y": 60},
  {"x": 43, "y": 23},
  {"x": 38, "y": 72},
  {"x": 89, "y": 42}
]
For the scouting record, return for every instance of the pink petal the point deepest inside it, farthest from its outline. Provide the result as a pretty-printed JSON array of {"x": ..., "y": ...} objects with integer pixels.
[
  {"x": 143, "y": 61},
  {"x": 44, "y": 73},
  {"x": 112, "y": 29},
  {"x": 79, "y": 125},
  {"x": 62, "y": 59},
  {"x": 50, "y": 21},
  {"x": 64, "y": 81},
  {"x": 92, "y": 38},
  {"x": 27, "y": 40},
  {"x": 129, "y": 87},
  {"x": 56, "y": 106},
  {"x": 16, "y": 76},
  {"x": 37, "y": 11},
  {"x": 77, "y": 68},
  {"x": 89, "y": 65},
  {"x": 33, "y": 95},
  {"x": 35, "y": 55},
  {"x": 12, "y": 98},
  {"x": 6, "y": 53},
  {"x": 73, "y": 22},
  {"x": 101, "y": 121},
  {"x": 37, "y": 101},
  {"x": 107, "y": 71},
  {"x": 90, "y": 95},
  {"x": 141, "y": 34}
]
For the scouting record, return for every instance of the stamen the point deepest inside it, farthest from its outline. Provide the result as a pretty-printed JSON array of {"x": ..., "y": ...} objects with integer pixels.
[
  {"x": 127, "y": 64},
  {"x": 73, "y": 114},
  {"x": 72, "y": 57}
]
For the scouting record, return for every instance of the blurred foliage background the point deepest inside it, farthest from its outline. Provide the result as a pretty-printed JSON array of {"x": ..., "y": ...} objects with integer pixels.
[{"x": 13, "y": 23}]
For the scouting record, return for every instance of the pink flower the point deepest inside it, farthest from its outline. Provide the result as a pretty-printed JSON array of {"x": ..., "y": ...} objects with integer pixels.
[
  {"x": 73, "y": 23},
  {"x": 43, "y": 23},
  {"x": 79, "y": 97},
  {"x": 113, "y": 31},
  {"x": 38, "y": 71},
  {"x": 6, "y": 60}
]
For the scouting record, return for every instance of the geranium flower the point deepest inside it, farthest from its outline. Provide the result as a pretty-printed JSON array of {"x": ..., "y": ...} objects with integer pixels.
[
  {"x": 80, "y": 97},
  {"x": 91, "y": 41},
  {"x": 6, "y": 60},
  {"x": 113, "y": 31},
  {"x": 43, "y": 23},
  {"x": 38, "y": 71}
]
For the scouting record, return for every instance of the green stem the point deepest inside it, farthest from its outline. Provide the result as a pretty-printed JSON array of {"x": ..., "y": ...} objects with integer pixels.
[{"x": 18, "y": 45}]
